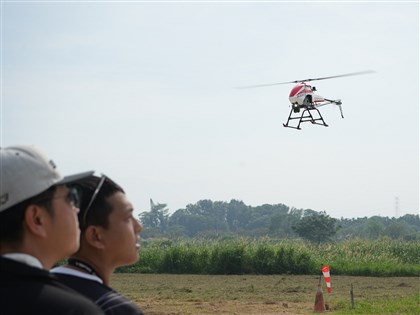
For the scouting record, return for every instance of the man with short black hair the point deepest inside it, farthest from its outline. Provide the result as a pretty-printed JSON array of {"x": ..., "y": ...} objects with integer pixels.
[
  {"x": 109, "y": 239},
  {"x": 38, "y": 228}
]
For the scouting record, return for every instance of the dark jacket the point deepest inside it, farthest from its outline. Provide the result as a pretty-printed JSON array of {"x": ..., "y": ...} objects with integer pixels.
[
  {"x": 33, "y": 291},
  {"x": 111, "y": 302}
]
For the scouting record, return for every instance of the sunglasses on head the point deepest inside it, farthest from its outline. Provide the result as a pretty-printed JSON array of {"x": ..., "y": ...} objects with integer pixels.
[
  {"x": 92, "y": 199},
  {"x": 95, "y": 195}
]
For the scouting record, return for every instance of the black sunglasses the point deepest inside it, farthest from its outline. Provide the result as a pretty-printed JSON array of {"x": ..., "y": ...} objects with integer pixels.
[{"x": 72, "y": 197}]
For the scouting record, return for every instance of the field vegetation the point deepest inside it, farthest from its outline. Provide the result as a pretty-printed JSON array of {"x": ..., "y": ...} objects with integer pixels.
[
  {"x": 230, "y": 258},
  {"x": 355, "y": 257}
]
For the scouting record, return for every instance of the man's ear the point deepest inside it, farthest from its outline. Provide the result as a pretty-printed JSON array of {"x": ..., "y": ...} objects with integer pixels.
[
  {"x": 93, "y": 236},
  {"x": 36, "y": 220}
]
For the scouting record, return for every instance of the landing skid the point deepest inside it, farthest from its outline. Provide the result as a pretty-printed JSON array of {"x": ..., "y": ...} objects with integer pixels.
[{"x": 306, "y": 118}]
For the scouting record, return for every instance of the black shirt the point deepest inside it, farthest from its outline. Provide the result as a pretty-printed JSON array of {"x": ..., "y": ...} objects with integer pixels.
[
  {"x": 33, "y": 291},
  {"x": 110, "y": 301}
]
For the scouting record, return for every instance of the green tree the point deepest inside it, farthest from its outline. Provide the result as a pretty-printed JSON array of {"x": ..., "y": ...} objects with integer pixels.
[
  {"x": 396, "y": 230},
  {"x": 156, "y": 218},
  {"x": 374, "y": 227},
  {"x": 237, "y": 215},
  {"x": 316, "y": 227},
  {"x": 282, "y": 221}
]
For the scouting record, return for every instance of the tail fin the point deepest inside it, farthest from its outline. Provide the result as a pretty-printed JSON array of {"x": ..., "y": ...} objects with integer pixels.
[
  {"x": 337, "y": 102},
  {"x": 341, "y": 109}
]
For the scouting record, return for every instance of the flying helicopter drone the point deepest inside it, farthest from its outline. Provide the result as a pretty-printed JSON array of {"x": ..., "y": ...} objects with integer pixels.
[{"x": 303, "y": 97}]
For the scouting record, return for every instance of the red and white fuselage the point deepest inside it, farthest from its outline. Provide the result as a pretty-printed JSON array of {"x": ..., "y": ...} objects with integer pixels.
[{"x": 303, "y": 94}]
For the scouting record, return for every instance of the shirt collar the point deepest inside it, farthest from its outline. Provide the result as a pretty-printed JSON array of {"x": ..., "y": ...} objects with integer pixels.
[
  {"x": 76, "y": 273},
  {"x": 25, "y": 259}
]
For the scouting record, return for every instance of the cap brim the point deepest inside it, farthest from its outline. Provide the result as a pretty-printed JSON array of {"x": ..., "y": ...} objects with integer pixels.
[{"x": 74, "y": 178}]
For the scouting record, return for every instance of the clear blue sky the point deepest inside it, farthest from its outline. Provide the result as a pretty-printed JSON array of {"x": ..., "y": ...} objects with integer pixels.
[{"x": 144, "y": 92}]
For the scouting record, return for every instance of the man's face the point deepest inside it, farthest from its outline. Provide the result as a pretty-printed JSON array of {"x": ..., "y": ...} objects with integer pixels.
[
  {"x": 64, "y": 233},
  {"x": 121, "y": 237}
]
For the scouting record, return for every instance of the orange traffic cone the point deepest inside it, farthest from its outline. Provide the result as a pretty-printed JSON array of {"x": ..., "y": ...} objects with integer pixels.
[{"x": 319, "y": 300}]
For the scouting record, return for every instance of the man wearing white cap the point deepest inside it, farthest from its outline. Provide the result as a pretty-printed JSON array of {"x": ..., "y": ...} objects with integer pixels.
[{"x": 38, "y": 228}]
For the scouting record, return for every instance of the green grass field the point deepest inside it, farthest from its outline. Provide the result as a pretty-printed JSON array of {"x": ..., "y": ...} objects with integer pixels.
[
  {"x": 169, "y": 294},
  {"x": 356, "y": 257}
]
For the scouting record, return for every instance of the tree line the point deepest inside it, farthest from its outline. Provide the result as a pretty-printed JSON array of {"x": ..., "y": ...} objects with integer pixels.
[{"x": 207, "y": 218}]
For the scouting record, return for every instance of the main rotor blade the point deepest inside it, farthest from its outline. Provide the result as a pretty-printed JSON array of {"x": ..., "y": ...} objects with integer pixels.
[
  {"x": 336, "y": 76},
  {"x": 307, "y": 80},
  {"x": 262, "y": 85}
]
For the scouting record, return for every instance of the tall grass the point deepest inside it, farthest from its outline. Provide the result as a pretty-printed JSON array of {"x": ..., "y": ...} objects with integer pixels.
[{"x": 383, "y": 257}]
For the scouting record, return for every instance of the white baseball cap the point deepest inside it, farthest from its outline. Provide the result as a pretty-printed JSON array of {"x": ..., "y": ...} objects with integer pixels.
[{"x": 27, "y": 172}]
